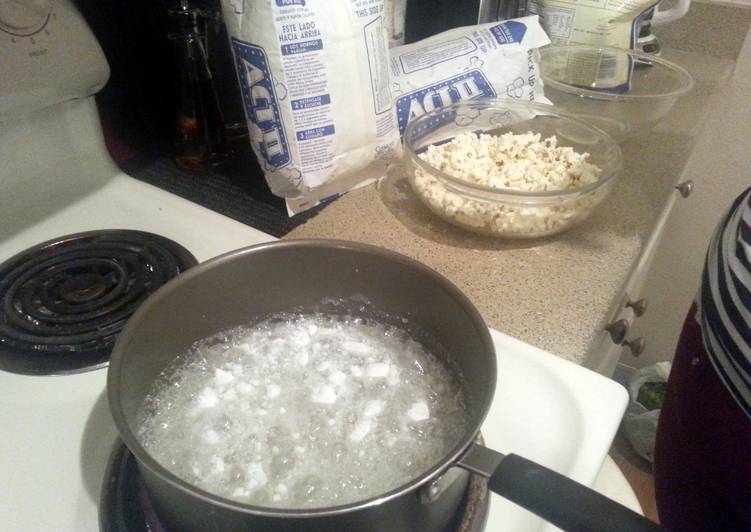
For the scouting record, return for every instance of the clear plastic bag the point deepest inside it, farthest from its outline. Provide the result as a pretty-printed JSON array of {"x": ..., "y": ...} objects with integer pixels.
[{"x": 640, "y": 421}]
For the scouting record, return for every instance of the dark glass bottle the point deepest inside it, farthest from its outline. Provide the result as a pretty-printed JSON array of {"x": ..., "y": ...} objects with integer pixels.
[{"x": 201, "y": 141}]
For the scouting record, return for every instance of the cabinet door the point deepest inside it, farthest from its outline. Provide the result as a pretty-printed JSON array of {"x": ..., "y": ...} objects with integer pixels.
[{"x": 605, "y": 353}]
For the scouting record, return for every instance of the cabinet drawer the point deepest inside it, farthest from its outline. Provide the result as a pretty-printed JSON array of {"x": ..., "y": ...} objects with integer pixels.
[{"x": 630, "y": 303}]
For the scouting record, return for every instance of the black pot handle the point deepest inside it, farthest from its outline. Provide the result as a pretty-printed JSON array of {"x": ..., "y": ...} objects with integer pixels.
[{"x": 559, "y": 500}]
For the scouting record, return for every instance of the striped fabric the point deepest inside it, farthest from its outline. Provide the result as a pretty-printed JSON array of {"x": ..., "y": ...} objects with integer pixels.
[{"x": 725, "y": 310}]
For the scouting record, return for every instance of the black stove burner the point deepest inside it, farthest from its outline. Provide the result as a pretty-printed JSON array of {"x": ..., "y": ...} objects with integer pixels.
[
  {"x": 124, "y": 504},
  {"x": 63, "y": 302}
]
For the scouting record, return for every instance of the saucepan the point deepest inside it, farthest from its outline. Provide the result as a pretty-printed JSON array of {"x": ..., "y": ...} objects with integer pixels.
[{"x": 250, "y": 284}]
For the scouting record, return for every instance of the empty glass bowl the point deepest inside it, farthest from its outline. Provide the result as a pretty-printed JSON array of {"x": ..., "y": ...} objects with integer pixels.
[
  {"x": 504, "y": 212},
  {"x": 623, "y": 92}
]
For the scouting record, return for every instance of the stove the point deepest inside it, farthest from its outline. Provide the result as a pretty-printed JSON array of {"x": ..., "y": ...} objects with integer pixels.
[
  {"x": 59, "y": 189},
  {"x": 63, "y": 302},
  {"x": 57, "y": 179}
]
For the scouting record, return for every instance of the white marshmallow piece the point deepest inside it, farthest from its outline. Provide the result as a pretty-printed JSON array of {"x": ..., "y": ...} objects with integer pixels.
[
  {"x": 273, "y": 390},
  {"x": 245, "y": 349},
  {"x": 256, "y": 476},
  {"x": 357, "y": 348},
  {"x": 301, "y": 358},
  {"x": 324, "y": 395},
  {"x": 222, "y": 377},
  {"x": 337, "y": 377},
  {"x": 418, "y": 411},
  {"x": 362, "y": 428},
  {"x": 212, "y": 437},
  {"x": 373, "y": 408},
  {"x": 217, "y": 465},
  {"x": 208, "y": 398},
  {"x": 244, "y": 388},
  {"x": 379, "y": 370}
]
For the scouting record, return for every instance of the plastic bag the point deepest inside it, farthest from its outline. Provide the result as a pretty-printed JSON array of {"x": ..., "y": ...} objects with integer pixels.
[
  {"x": 314, "y": 79},
  {"x": 488, "y": 60},
  {"x": 615, "y": 23},
  {"x": 640, "y": 422}
]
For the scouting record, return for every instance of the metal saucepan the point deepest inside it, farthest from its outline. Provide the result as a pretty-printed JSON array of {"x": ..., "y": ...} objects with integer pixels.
[{"x": 252, "y": 283}]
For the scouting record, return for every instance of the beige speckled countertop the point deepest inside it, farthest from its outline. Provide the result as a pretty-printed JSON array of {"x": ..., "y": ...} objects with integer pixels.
[{"x": 553, "y": 293}]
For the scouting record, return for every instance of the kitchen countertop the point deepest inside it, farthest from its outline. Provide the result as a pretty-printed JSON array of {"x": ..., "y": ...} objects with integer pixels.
[{"x": 553, "y": 293}]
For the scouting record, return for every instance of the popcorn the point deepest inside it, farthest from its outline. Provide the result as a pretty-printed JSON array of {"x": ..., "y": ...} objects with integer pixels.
[{"x": 519, "y": 162}]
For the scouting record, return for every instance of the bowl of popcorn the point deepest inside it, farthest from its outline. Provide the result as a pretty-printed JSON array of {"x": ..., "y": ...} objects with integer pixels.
[{"x": 509, "y": 168}]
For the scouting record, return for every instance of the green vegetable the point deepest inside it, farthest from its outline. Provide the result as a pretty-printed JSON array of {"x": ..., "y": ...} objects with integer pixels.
[{"x": 652, "y": 394}]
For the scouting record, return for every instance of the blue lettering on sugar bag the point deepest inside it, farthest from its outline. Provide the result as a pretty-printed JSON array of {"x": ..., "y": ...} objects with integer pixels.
[
  {"x": 259, "y": 98},
  {"x": 467, "y": 86},
  {"x": 509, "y": 32},
  {"x": 284, "y": 3},
  {"x": 316, "y": 132},
  {"x": 310, "y": 102},
  {"x": 302, "y": 47}
]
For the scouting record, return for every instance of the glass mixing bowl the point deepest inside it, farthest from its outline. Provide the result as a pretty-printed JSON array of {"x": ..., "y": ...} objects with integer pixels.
[
  {"x": 503, "y": 212},
  {"x": 622, "y": 92}
]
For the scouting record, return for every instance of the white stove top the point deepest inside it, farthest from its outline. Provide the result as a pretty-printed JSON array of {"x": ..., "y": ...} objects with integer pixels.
[{"x": 57, "y": 432}]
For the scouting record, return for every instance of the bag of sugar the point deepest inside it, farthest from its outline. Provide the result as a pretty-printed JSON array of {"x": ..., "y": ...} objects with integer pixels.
[
  {"x": 314, "y": 78},
  {"x": 488, "y": 60}
]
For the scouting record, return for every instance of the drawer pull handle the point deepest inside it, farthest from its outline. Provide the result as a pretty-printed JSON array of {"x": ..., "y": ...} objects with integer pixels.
[
  {"x": 685, "y": 188},
  {"x": 636, "y": 345},
  {"x": 639, "y": 307},
  {"x": 618, "y": 330}
]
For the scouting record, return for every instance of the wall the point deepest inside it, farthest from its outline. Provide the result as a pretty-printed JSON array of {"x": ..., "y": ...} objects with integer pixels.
[{"x": 721, "y": 168}]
